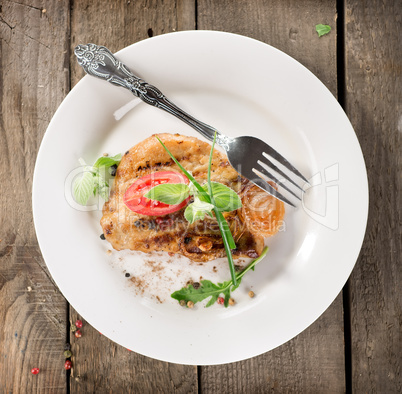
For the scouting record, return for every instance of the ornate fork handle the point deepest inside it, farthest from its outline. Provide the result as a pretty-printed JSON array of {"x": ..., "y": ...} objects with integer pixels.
[{"x": 98, "y": 61}]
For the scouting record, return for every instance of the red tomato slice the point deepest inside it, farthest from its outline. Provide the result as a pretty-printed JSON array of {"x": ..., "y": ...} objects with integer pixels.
[{"x": 136, "y": 202}]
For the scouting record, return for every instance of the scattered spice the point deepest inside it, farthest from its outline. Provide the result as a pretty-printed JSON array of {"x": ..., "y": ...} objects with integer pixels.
[
  {"x": 78, "y": 334},
  {"x": 67, "y": 346},
  {"x": 102, "y": 237},
  {"x": 251, "y": 294},
  {"x": 112, "y": 170},
  {"x": 221, "y": 300},
  {"x": 196, "y": 285},
  {"x": 127, "y": 275},
  {"x": 68, "y": 364},
  {"x": 67, "y": 353},
  {"x": 78, "y": 323},
  {"x": 34, "y": 371},
  {"x": 183, "y": 303},
  {"x": 73, "y": 328},
  {"x": 231, "y": 301},
  {"x": 190, "y": 304},
  {"x": 106, "y": 154},
  {"x": 108, "y": 252}
]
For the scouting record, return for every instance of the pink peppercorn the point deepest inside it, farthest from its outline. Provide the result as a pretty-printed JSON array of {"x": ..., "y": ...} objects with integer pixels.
[
  {"x": 78, "y": 334},
  {"x": 78, "y": 323},
  {"x": 67, "y": 365},
  {"x": 34, "y": 371},
  {"x": 221, "y": 300}
]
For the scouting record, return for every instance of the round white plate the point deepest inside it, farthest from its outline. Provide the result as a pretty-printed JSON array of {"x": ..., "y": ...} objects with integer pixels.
[{"x": 242, "y": 87}]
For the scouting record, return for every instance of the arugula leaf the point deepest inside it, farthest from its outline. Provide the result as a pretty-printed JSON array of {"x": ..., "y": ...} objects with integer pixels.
[
  {"x": 197, "y": 210},
  {"x": 169, "y": 193},
  {"x": 322, "y": 29},
  {"x": 226, "y": 199},
  {"x": 209, "y": 289},
  {"x": 107, "y": 161},
  {"x": 83, "y": 187},
  {"x": 227, "y": 237}
]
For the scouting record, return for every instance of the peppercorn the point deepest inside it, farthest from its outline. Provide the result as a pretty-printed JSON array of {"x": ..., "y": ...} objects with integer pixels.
[
  {"x": 196, "y": 285},
  {"x": 67, "y": 346},
  {"x": 73, "y": 328},
  {"x": 67, "y": 365},
  {"x": 67, "y": 354},
  {"x": 78, "y": 334},
  {"x": 34, "y": 371},
  {"x": 182, "y": 302},
  {"x": 231, "y": 301},
  {"x": 221, "y": 300},
  {"x": 112, "y": 170},
  {"x": 251, "y": 294},
  {"x": 102, "y": 237},
  {"x": 190, "y": 304},
  {"x": 127, "y": 275},
  {"x": 78, "y": 323}
]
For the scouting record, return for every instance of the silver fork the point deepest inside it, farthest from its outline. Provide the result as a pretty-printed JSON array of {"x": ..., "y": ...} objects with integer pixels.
[{"x": 248, "y": 155}]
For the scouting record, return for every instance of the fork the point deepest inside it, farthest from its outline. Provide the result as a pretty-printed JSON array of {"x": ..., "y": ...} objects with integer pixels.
[{"x": 250, "y": 156}]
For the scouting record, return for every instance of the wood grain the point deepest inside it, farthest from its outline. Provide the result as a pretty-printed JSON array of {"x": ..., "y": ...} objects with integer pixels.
[
  {"x": 374, "y": 105},
  {"x": 33, "y": 71},
  {"x": 99, "y": 364},
  {"x": 314, "y": 360}
]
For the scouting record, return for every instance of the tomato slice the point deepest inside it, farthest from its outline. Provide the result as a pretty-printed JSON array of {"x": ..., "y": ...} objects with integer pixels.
[{"x": 136, "y": 202}]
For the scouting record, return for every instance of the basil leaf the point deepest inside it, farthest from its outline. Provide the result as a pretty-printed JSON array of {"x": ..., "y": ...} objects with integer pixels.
[
  {"x": 83, "y": 187},
  {"x": 322, "y": 29},
  {"x": 169, "y": 193},
  {"x": 225, "y": 198},
  {"x": 197, "y": 210},
  {"x": 107, "y": 161}
]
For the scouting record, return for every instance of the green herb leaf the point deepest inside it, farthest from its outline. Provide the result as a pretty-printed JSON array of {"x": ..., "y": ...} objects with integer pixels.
[
  {"x": 83, "y": 187},
  {"x": 225, "y": 198},
  {"x": 322, "y": 29},
  {"x": 107, "y": 161},
  {"x": 101, "y": 186},
  {"x": 169, "y": 193},
  {"x": 227, "y": 237},
  {"x": 197, "y": 210},
  {"x": 209, "y": 289}
]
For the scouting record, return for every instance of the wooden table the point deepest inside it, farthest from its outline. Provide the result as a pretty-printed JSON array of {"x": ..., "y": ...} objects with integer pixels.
[{"x": 354, "y": 346}]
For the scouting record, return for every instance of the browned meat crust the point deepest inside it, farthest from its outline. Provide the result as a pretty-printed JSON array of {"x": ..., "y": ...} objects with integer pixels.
[{"x": 200, "y": 241}]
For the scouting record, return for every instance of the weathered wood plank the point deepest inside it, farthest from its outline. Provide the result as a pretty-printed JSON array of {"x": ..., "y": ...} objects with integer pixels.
[
  {"x": 314, "y": 360},
  {"x": 33, "y": 71},
  {"x": 374, "y": 105},
  {"x": 100, "y": 365}
]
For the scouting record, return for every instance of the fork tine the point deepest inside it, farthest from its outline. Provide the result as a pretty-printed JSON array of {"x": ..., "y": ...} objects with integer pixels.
[
  {"x": 279, "y": 171},
  {"x": 268, "y": 174},
  {"x": 268, "y": 150},
  {"x": 264, "y": 185}
]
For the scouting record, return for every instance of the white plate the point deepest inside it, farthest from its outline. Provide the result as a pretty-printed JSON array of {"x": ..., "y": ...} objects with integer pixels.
[{"x": 241, "y": 86}]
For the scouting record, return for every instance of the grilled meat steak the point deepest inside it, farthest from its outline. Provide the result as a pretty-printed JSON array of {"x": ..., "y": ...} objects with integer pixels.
[{"x": 261, "y": 214}]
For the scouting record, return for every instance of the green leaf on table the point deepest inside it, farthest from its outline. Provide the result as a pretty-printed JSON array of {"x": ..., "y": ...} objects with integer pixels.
[
  {"x": 197, "y": 210},
  {"x": 225, "y": 198},
  {"x": 83, "y": 187},
  {"x": 169, "y": 193},
  {"x": 322, "y": 29},
  {"x": 107, "y": 161}
]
